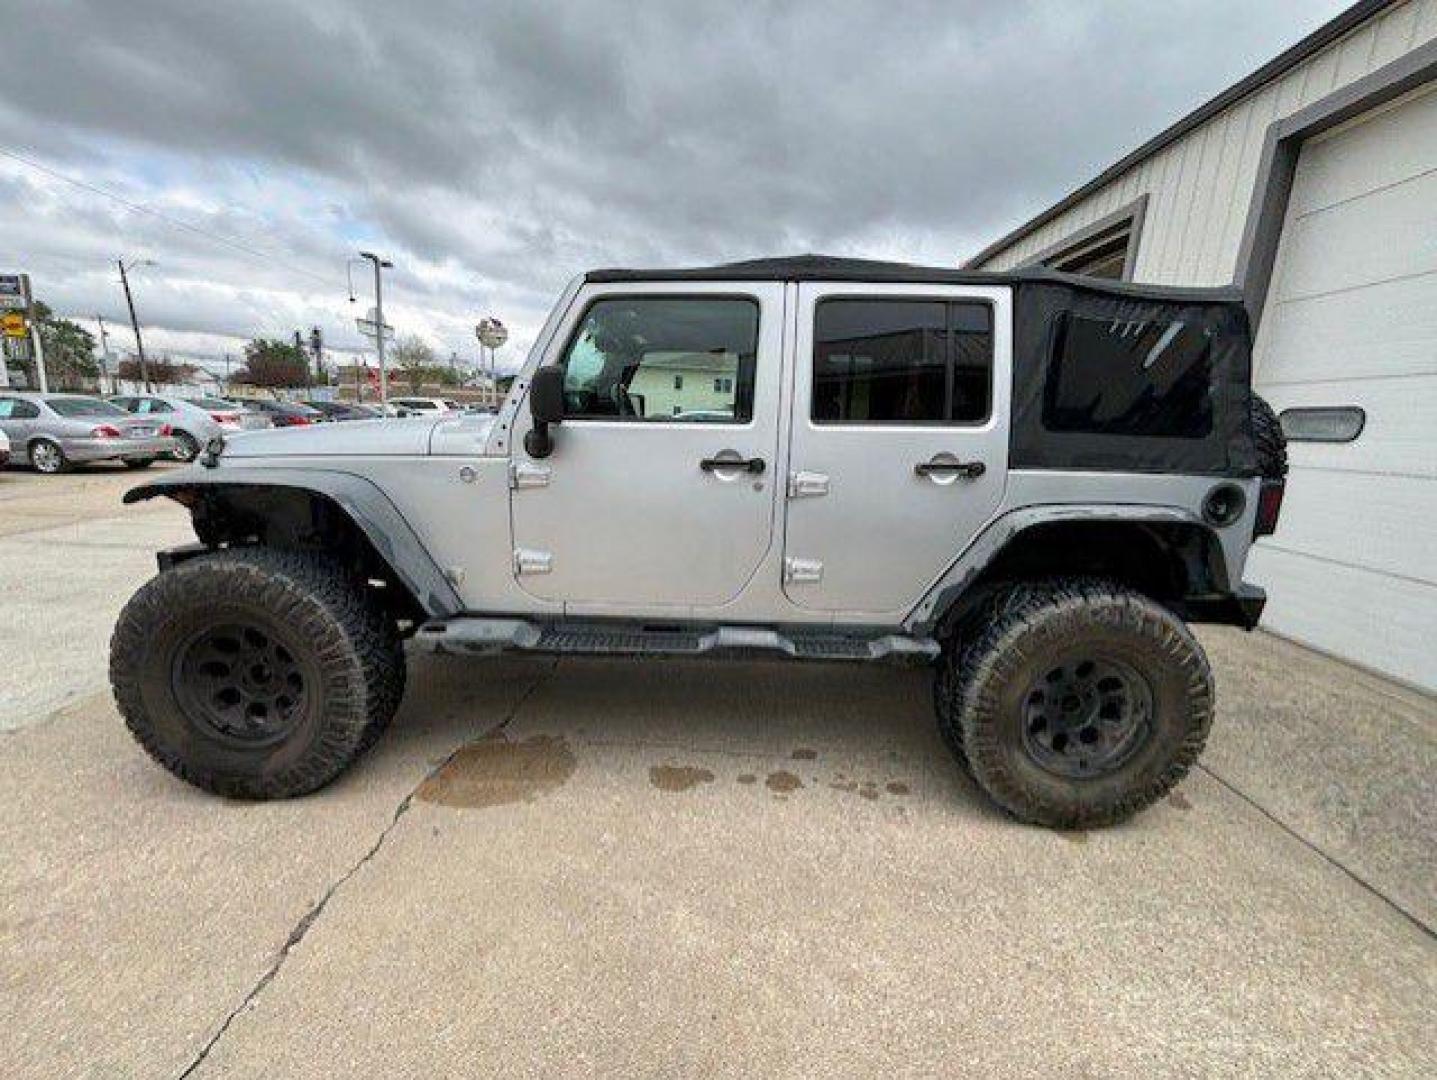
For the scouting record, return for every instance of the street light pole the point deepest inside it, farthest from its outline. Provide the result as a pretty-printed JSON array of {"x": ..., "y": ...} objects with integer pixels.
[
  {"x": 135, "y": 325},
  {"x": 379, "y": 264},
  {"x": 105, "y": 355}
]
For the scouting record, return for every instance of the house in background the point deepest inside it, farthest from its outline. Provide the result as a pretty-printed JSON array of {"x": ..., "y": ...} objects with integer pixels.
[{"x": 1312, "y": 184}]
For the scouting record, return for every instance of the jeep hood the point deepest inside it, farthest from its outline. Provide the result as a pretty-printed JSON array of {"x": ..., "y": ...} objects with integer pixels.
[{"x": 391, "y": 437}]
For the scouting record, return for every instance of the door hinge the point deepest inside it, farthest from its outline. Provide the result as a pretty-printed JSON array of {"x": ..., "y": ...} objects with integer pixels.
[
  {"x": 529, "y": 561},
  {"x": 802, "y": 484},
  {"x": 525, "y": 474},
  {"x": 800, "y": 571}
]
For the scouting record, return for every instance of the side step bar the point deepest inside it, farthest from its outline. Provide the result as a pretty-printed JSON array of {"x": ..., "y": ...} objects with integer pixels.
[{"x": 483, "y": 635}]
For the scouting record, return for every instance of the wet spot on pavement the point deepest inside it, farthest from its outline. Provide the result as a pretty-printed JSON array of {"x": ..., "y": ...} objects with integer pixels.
[
  {"x": 678, "y": 777},
  {"x": 844, "y": 785},
  {"x": 782, "y": 782},
  {"x": 494, "y": 771},
  {"x": 868, "y": 789},
  {"x": 803, "y": 753},
  {"x": 747, "y": 778},
  {"x": 896, "y": 787},
  {"x": 1178, "y": 799}
]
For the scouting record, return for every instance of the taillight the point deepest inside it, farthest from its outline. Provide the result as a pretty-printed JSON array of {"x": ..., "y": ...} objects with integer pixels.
[
  {"x": 105, "y": 431},
  {"x": 297, "y": 420},
  {"x": 166, "y": 431},
  {"x": 1269, "y": 507}
]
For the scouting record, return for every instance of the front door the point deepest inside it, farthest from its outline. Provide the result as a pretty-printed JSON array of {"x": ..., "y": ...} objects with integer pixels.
[
  {"x": 659, "y": 492},
  {"x": 899, "y": 445}
]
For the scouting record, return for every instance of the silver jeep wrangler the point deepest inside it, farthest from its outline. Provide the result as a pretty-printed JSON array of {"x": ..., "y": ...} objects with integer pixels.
[{"x": 1031, "y": 481}]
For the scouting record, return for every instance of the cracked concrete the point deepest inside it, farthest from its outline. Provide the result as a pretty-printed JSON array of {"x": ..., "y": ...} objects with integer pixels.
[{"x": 876, "y": 915}]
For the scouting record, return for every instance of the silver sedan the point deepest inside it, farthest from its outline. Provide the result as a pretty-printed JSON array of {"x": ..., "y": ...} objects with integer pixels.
[{"x": 55, "y": 431}]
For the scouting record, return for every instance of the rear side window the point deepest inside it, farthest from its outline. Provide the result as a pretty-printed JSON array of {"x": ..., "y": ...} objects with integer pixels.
[
  {"x": 880, "y": 361},
  {"x": 1113, "y": 377}
]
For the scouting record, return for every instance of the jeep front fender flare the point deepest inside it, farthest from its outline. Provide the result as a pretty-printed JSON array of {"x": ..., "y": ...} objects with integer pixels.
[{"x": 371, "y": 511}]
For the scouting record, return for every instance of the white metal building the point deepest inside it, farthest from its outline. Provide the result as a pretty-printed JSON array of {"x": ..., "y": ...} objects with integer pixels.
[{"x": 1313, "y": 185}]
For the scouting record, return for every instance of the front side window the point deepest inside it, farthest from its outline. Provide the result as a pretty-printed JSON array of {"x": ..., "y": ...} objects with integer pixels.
[
  {"x": 1150, "y": 379},
  {"x": 689, "y": 359},
  {"x": 902, "y": 361}
]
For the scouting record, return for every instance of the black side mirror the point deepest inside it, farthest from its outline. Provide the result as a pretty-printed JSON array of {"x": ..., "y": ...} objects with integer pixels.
[{"x": 546, "y": 406}]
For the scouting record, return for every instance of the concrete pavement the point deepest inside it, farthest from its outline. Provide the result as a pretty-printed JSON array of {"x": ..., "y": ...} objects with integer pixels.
[{"x": 601, "y": 867}]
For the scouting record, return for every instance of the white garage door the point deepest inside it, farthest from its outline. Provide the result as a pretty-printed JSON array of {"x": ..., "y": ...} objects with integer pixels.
[{"x": 1352, "y": 321}]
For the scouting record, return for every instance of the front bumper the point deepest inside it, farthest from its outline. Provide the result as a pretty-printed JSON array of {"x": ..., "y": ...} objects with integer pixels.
[{"x": 113, "y": 449}]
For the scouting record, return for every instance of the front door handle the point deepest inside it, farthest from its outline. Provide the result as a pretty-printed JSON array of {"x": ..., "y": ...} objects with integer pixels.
[
  {"x": 969, "y": 470},
  {"x": 753, "y": 465}
]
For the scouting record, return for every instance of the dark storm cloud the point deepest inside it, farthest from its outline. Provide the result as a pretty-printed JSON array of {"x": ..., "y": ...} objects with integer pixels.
[{"x": 504, "y": 146}]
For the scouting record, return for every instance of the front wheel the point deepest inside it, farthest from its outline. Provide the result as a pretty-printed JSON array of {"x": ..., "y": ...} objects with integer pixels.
[
  {"x": 1081, "y": 702},
  {"x": 255, "y": 673}
]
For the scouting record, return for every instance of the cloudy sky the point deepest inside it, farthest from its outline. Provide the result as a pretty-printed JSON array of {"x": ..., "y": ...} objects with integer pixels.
[{"x": 494, "y": 149}]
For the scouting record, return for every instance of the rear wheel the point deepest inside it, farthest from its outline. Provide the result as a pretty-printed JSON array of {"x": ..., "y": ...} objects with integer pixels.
[
  {"x": 47, "y": 457},
  {"x": 254, "y": 672},
  {"x": 187, "y": 447},
  {"x": 1081, "y": 702}
]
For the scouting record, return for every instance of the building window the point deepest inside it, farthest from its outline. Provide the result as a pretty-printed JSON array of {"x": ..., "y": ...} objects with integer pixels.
[
  {"x": 678, "y": 382},
  {"x": 1105, "y": 249},
  {"x": 902, "y": 362}
]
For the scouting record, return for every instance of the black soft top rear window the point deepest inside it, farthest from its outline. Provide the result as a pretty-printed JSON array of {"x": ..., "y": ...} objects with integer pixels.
[{"x": 1148, "y": 378}]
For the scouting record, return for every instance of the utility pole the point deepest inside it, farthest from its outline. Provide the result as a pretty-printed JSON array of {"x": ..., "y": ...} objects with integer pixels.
[
  {"x": 379, "y": 264},
  {"x": 105, "y": 356},
  {"x": 135, "y": 325}
]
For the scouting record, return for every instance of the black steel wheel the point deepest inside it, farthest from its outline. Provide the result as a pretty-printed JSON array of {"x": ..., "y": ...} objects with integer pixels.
[
  {"x": 243, "y": 682},
  {"x": 1085, "y": 716},
  {"x": 254, "y": 672}
]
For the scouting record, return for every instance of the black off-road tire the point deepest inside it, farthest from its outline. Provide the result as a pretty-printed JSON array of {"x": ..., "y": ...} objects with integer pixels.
[
  {"x": 1030, "y": 628},
  {"x": 1269, "y": 441},
  {"x": 348, "y": 651}
]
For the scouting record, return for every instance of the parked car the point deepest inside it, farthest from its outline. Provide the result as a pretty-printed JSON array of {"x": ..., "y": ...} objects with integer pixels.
[
  {"x": 425, "y": 406},
  {"x": 55, "y": 431},
  {"x": 1031, "y": 481},
  {"x": 4, "y": 448},
  {"x": 286, "y": 413},
  {"x": 344, "y": 410},
  {"x": 193, "y": 421}
]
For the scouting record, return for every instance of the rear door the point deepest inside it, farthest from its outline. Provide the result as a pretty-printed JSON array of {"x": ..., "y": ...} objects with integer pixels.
[
  {"x": 899, "y": 440},
  {"x": 659, "y": 492}
]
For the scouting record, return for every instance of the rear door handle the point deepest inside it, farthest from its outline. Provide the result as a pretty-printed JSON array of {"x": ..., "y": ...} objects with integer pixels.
[
  {"x": 969, "y": 470},
  {"x": 753, "y": 465}
]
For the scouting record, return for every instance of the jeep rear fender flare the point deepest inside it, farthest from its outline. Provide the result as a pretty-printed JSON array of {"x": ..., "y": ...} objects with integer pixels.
[
  {"x": 1003, "y": 530},
  {"x": 371, "y": 511}
]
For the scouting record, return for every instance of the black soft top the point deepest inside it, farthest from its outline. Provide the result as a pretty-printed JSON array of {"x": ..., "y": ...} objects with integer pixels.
[
  {"x": 1109, "y": 316},
  {"x": 833, "y": 268}
]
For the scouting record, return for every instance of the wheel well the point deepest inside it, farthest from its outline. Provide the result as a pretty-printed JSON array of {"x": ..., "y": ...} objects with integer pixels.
[
  {"x": 295, "y": 519},
  {"x": 1171, "y": 562}
]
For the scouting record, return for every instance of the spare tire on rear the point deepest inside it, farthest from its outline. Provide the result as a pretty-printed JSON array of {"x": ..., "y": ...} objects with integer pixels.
[{"x": 1269, "y": 441}]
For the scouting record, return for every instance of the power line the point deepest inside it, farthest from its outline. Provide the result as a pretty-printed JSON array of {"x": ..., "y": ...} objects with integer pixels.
[{"x": 152, "y": 212}]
